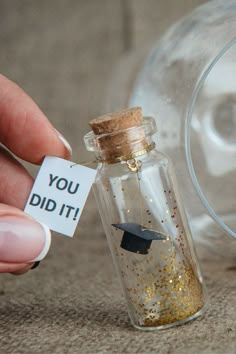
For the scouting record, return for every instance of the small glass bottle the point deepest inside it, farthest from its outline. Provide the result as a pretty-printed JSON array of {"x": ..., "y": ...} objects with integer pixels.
[{"x": 144, "y": 222}]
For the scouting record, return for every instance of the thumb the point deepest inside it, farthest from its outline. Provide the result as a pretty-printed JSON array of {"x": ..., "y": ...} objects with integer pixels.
[{"x": 22, "y": 240}]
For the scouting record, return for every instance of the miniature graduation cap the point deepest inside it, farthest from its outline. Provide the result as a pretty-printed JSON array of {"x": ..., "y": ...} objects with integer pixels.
[{"x": 137, "y": 238}]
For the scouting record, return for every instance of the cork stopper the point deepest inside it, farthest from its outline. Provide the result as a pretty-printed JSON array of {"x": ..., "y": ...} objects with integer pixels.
[
  {"x": 115, "y": 121},
  {"x": 114, "y": 136}
]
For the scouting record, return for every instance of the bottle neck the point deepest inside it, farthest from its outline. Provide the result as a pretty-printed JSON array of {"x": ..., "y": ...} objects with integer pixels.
[
  {"x": 122, "y": 145},
  {"x": 116, "y": 157}
]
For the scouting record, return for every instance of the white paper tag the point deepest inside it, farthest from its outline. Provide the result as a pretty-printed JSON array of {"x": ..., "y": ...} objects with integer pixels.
[{"x": 59, "y": 194}]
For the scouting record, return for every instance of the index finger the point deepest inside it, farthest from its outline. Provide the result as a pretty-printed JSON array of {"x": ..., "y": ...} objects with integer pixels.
[{"x": 24, "y": 129}]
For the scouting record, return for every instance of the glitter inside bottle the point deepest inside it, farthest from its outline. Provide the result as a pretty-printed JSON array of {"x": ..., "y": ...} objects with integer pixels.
[{"x": 145, "y": 223}]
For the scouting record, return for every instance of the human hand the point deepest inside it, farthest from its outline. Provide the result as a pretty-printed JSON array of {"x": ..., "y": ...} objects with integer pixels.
[{"x": 26, "y": 132}]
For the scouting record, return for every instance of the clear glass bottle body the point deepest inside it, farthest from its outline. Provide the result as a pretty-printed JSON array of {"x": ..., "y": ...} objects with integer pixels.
[{"x": 162, "y": 287}]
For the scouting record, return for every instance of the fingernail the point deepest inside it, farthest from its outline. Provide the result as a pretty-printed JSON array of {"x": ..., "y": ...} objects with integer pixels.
[
  {"x": 23, "y": 240},
  {"x": 35, "y": 265},
  {"x": 65, "y": 143}
]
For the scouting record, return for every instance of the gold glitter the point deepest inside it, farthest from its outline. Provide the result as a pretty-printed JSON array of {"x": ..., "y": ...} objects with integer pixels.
[
  {"x": 162, "y": 286},
  {"x": 169, "y": 297}
]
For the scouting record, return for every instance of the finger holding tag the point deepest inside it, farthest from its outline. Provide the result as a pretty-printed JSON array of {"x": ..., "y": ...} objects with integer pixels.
[{"x": 22, "y": 240}]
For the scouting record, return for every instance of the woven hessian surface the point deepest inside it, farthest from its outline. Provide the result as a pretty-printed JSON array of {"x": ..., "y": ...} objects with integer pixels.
[
  {"x": 62, "y": 53},
  {"x": 73, "y": 304}
]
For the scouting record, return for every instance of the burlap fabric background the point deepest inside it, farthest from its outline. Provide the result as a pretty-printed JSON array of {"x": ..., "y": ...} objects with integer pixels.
[{"x": 62, "y": 53}]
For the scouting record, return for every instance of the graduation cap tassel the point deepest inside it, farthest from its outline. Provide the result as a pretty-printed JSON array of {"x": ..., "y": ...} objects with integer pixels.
[{"x": 135, "y": 166}]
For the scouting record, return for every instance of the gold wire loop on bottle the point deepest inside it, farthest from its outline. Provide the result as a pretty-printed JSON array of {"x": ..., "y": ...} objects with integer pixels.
[
  {"x": 126, "y": 158},
  {"x": 134, "y": 165},
  {"x": 84, "y": 163},
  {"x": 130, "y": 156}
]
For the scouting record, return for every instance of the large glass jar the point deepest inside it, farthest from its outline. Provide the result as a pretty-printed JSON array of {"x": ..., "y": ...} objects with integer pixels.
[
  {"x": 188, "y": 84},
  {"x": 145, "y": 223}
]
